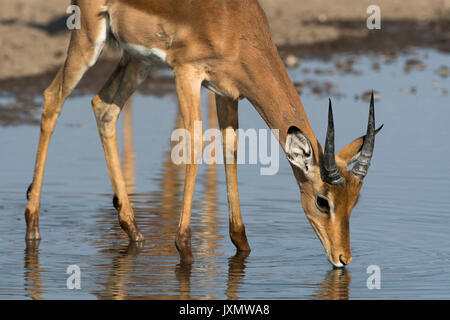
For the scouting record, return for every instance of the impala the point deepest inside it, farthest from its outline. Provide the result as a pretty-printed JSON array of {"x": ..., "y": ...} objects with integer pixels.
[{"x": 225, "y": 46}]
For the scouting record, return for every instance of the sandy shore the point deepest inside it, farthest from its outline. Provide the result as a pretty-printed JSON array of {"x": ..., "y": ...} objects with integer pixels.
[{"x": 33, "y": 37}]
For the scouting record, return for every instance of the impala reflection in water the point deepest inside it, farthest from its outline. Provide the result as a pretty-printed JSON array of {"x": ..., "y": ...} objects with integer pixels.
[{"x": 166, "y": 204}]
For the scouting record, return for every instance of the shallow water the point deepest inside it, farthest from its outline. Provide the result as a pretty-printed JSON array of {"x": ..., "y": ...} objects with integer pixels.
[{"x": 400, "y": 224}]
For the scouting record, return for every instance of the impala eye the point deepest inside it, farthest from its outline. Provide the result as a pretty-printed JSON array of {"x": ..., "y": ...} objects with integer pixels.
[{"x": 322, "y": 204}]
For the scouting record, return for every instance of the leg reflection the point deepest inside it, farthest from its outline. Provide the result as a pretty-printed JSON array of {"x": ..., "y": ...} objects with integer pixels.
[
  {"x": 209, "y": 232},
  {"x": 122, "y": 269},
  {"x": 158, "y": 277},
  {"x": 32, "y": 276},
  {"x": 183, "y": 273},
  {"x": 236, "y": 273},
  {"x": 335, "y": 286}
]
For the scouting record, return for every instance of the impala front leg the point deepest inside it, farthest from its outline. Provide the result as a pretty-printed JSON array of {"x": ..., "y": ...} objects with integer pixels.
[
  {"x": 227, "y": 113},
  {"x": 188, "y": 90}
]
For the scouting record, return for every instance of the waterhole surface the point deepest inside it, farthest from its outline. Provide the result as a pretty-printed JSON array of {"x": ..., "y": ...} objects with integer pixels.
[{"x": 401, "y": 223}]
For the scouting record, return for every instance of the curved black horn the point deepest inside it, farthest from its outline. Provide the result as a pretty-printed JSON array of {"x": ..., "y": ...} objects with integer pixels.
[
  {"x": 363, "y": 163},
  {"x": 330, "y": 170}
]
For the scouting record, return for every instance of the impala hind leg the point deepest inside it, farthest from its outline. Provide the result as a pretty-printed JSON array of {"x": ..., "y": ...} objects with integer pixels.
[
  {"x": 85, "y": 46},
  {"x": 227, "y": 113},
  {"x": 188, "y": 85},
  {"x": 107, "y": 106}
]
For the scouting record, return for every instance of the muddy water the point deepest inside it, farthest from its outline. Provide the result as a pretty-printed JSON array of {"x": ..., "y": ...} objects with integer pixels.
[{"x": 401, "y": 223}]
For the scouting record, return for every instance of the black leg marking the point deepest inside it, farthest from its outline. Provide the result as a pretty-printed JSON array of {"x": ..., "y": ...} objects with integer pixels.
[
  {"x": 29, "y": 190},
  {"x": 116, "y": 202}
]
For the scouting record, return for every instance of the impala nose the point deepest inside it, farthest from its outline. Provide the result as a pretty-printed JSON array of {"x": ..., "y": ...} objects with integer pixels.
[{"x": 345, "y": 260}]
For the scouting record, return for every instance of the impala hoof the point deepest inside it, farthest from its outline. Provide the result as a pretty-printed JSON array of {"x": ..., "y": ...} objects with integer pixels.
[
  {"x": 186, "y": 259},
  {"x": 183, "y": 245},
  {"x": 132, "y": 230},
  {"x": 33, "y": 235},
  {"x": 134, "y": 234},
  {"x": 186, "y": 256},
  {"x": 137, "y": 237},
  {"x": 239, "y": 239},
  {"x": 32, "y": 219},
  {"x": 32, "y": 245}
]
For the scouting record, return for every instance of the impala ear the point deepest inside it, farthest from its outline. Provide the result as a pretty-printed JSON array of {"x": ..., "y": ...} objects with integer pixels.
[
  {"x": 352, "y": 151},
  {"x": 298, "y": 150}
]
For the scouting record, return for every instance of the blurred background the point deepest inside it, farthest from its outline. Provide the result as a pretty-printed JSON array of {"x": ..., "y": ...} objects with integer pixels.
[{"x": 34, "y": 38}]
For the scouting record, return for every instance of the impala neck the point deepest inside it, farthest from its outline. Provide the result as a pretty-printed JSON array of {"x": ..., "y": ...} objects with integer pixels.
[{"x": 272, "y": 93}]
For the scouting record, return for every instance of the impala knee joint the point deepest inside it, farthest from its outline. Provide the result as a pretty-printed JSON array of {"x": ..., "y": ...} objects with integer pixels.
[{"x": 106, "y": 116}]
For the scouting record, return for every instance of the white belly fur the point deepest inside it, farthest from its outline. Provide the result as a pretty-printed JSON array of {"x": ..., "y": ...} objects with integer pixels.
[{"x": 151, "y": 55}]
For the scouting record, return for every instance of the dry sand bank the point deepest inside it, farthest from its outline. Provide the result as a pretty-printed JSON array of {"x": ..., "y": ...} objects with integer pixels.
[{"x": 34, "y": 38}]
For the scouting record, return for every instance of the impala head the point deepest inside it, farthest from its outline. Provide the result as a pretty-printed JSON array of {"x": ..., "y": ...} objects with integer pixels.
[{"x": 329, "y": 189}]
